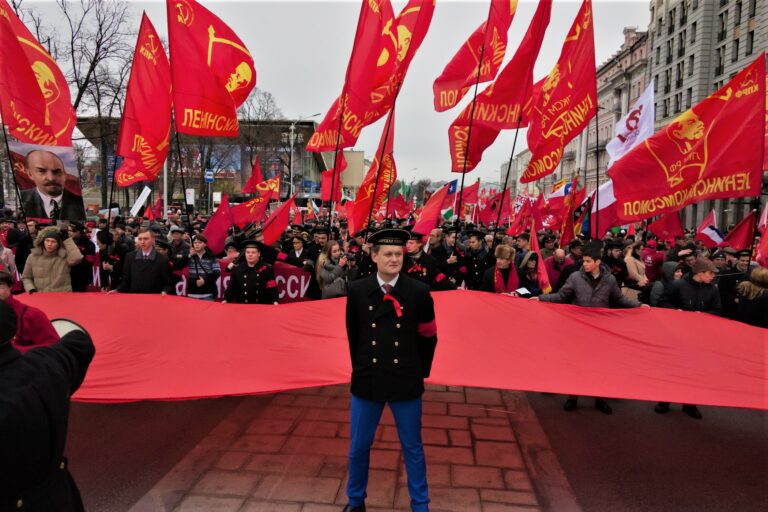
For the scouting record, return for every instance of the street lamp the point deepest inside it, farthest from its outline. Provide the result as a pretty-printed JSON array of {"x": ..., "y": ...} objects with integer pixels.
[{"x": 292, "y": 138}]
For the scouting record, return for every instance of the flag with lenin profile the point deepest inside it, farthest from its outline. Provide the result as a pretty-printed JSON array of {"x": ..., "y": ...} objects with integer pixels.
[
  {"x": 711, "y": 151},
  {"x": 212, "y": 71}
]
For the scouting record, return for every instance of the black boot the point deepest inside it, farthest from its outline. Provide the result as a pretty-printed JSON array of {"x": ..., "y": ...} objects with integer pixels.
[
  {"x": 571, "y": 403},
  {"x": 350, "y": 508},
  {"x": 602, "y": 406},
  {"x": 692, "y": 411},
  {"x": 662, "y": 408}
]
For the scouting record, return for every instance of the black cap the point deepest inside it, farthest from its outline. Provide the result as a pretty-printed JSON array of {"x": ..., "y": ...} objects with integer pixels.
[
  {"x": 159, "y": 242},
  {"x": 415, "y": 235},
  {"x": 447, "y": 230},
  {"x": 476, "y": 233},
  {"x": 390, "y": 236},
  {"x": 322, "y": 229},
  {"x": 231, "y": 243},
  {"x": 363, "y": 232},
  {"x": 744, "y": 252},
  {"x": 253, "y": 244}
]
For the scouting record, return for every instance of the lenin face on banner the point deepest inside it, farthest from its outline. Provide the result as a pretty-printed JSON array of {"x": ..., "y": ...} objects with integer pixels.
[{"x": 48, "y": 181}]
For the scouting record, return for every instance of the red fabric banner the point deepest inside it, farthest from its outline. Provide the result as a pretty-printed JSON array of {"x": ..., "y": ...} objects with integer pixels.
[
  {"x": 327, "y": 180},
  {"x": 213, "y": 72},
  {"x": 656, "y": 354},
  {"x": 430, "y": 213},
  {"x": 491, "y": 211},
  {"x": 275, "y": 225},
  {"x": 36, "y": 103},
  {"x": 743, "y": 234},
  {"x": 254, "y": 209},
  {"x": 667, "y": 227},
  {"x": 712, "y": 151},
  {"x": 567, "y": 100},
  {"x": 145, "y": 129},
  {"x": 255, "y": 179},
  {"x": 217, "y": 229},
  {"x": 490, "y": 39},
  {"x": 501, "y": 105}
]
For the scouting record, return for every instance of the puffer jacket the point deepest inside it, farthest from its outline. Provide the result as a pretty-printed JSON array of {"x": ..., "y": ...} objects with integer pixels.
[
  {"x": 690, "y": 295},
  {"x": 584, "y": 290},
  {"x": 659, "y": 287},
  {"x": 46, "y": 272},
  {"x": 333, "y": 279}
]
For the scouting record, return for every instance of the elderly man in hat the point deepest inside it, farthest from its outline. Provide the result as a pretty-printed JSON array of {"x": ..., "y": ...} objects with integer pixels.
[
  {"x": 34, "y": 407},
  {"x": 392, "y": 338},
  {"x": 252, "y": 280}
]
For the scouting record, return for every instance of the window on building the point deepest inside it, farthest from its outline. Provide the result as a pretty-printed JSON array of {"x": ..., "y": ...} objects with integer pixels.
[
  {"x": 720, "y": 60},
  {"x": 723, "y": 3},
  {"x": 688, "y": 98},
  {"x": 670, "y": 51},
  {"x": 656, "y": 84},
  {"x": 694, "y": 5},
  {"x": 679, "y": 74},
  {"x": 691, "y": 61},
  {"x": 683, "y": 13},
  {"x": 735, "y": 50},
  {"x": 752, "y": 8},
  {"x": 658, "y": 54},
  {"x": 693, "y": 32},
  {"x": 659, "y": 24},
  {"x": 750, "y": 42},
  {"x": 667, "y": 80},
  {"x": 722, "y": 23},
  {"x": 671, "y": 18},
  {"x": 678, "y": 102},
  {"x": 666, "y": 107},
  {"x": 737, "y": 14},
  {"x": 681, "y": 44}
]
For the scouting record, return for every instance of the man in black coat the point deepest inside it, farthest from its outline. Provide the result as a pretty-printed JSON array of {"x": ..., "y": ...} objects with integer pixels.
[
  {"x": 145, "y": 270},
  {"x": 49, "y": 199},
  {"x": 82, "y": 273},
  {"x": 475, "y": 259},
  {"x": 392, "y": 338},
  {"x": 252, "y": 280},
  {"x": 423, "y": 267},
  {"x": 34, "y": 406}
]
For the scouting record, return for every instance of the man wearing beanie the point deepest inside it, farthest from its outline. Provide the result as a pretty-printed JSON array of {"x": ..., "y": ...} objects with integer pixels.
[
  {"x": 34, "y": 406},
  {"x": 694, "y": 292}
]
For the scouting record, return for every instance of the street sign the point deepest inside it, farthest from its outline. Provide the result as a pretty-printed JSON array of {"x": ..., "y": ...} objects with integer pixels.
[{"x": 209, "y": 175}]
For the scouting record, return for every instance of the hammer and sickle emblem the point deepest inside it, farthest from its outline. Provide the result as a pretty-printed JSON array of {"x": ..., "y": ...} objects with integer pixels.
[{"x": 185, "y": 14}]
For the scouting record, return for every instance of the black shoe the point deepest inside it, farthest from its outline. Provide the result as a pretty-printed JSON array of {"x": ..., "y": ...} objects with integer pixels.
[
  {"x": 602, "y": 406},
  {"x": 662, "y": 408},
  {"x": 692, "y": 411},
  {"x": 350, "y": 508},
  {"x": 570, "y": 404}
]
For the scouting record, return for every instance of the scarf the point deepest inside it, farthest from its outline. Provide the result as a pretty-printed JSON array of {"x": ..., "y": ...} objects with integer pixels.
[{"x": 512, "y": 284}]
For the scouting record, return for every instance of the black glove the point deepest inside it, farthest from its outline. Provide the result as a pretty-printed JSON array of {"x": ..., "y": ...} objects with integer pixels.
[{"x": 32, "y": 291}]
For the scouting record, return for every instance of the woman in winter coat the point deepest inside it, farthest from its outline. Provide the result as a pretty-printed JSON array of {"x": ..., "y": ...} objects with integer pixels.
[
  {"x": 669, "y": 273},
  {"x": 529, "y": 274},
  {"x": 332, "y": 271},
  {"x": 753, "y": 298},
  {"x": 7, "y": 259},
  {"x": 48, "y": 265}
]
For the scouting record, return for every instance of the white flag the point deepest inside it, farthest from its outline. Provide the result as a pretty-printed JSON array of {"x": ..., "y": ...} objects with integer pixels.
[{"x": 633, "y": 128}]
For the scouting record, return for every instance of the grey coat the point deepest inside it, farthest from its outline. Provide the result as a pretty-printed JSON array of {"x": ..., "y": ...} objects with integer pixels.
[{"x": 584, "y": 290}]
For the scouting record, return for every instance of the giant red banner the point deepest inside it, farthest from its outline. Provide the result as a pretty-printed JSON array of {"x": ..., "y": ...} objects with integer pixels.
[{"x": 642, "y": 354}]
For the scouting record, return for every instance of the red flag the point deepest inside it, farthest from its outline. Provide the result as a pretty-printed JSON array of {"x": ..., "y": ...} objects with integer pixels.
[
  {"x": 386, "y": 177},
  {"x": 217, "y": 229},
  {"x": 145, "y": 129},
  {"x": 372, "y": 56},
  {"x": 159, "y": 206},
  {"x": 763, "y": 222},
  {"x": 517, "y": 226},
  {"x": 250, "y": 185},
  {"x": 149, "y": 214},
  {"x": 541, "y": 270},
  {"x": 667, "y": 227},
  {"x": 327, "y": 181},
  {"x": 470, "y": 194},
  {"x": 501, "y": 105},
  {"x": 34, "y": 95},
  {"x": 707, "y": 231},
  {"x": 491, "y": 211},
  {"x": 762, "y": 251},
  {"x": 567, "y": 100},
  {"x": 712, "y": 151},
  {"x": 430, "y": 213},
  {"x": 743, "y": 234},
  {"x": 490, "y": 39},
  {"x": 254, "y": 209},
  {"x": 275, "y": 225},
  {"x": 765, "y": 149},
  {"x": 213, "y": 72}
]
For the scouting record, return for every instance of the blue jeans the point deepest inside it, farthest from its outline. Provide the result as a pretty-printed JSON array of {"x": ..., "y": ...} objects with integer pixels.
[{"x": 365, "y": 418}]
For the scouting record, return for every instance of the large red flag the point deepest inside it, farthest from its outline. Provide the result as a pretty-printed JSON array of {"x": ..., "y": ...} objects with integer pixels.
[
  {"x": 491, "y": 211},
  {"x": 712, "y": 151},
  {"x": 373, "y": 56},
  {"x": 255, "y": 179},
  {"x": 501, "y": 105},
  {"x": 541, "y": 270},
  {"x": 34, "y": 94},
  {"x": 327, "y": 180},
  {"x": 761, "y": 256},
  {"x": 567, "y": 100},
  {"x": 254, "y": 209},
  {"x": 667, "y": 227},
  {"x": 159, "y": 206},
  {"x": 386, "y": 175},
  {"x": 217, "y": 229},
  {"x": 743, "y": 234},
  {"x": 470, "y": 194},
  {"x": 213, "y": 72},
  {"x": 275, "y": 225},
  {"x": 146, "y": 126},
  {"x": 430, "y": 214},
  {"x": 490, "y": 40}
]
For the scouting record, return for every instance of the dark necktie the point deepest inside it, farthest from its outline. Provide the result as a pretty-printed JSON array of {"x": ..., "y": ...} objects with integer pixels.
[
  {"x": 55, "y": 210},
  {"x": 387, "y": 288}
]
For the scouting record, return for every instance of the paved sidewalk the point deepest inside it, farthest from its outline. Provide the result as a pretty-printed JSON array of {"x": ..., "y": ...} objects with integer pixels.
[{"x": 485, "y": 452}]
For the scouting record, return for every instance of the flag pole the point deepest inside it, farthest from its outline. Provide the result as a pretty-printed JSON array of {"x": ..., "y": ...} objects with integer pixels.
[
  {"x": 165, "y": 189},
  {"x": 111, "y": 193},
  {"x": 381, "y": 156},
  {"x": 597, "y": 176},
  {"x": 506, "y": 180},
  {"x": 13, "y": 175},
  {"x": 183, "y": 185}
]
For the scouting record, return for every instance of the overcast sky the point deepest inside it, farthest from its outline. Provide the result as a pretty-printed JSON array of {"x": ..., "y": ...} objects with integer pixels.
[{"x": 301, "y": 51}]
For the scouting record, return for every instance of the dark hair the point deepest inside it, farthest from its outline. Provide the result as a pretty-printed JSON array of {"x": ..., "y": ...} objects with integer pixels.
[
  {"x": 6, "y": 278},
  {"x": 593, "y": 250},
  {"x": 8, "y": 321},
  {"x": 526, "y": 237}
]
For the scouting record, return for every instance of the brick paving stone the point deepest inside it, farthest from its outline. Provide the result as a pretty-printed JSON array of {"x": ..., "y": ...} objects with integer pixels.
[
  {"x": 319, "y": 401},
  {"x": 449, "y": 455},
  {"x": 338, "y": 402},
  {"x": 467, "y": 410},
  {"x": 262, "y": 426},
  {"x": 434, "y": 436},
  {"x": 344, "y": 430},
  {"x": 443, "y": 499},
  {"x": 509, "y": 497},
  {"x": 233, "y": 460},
  {"x": 337, "y": 390},
  {"x": 384, "y": 445},
  {"x": 283, "y": 399},
  {"x": 316, "y": 429},
  {"x": 316, "y": 507},
  {"x": 270, "y": 506},
  {"x": 460, "y": 438},
  {"x": 389, "y": 434},
  {"x": 209, "y": 504},
  {"x": 494, "y": 418},
  {"x": 333, "y": 415},
  {"x": 457, "y": 422},
  {"x": 384, "y": 459},
  {"x": 459, "y": 389},
  {"x": 297, "y": 488},
  {"x": 504, "y": 455},
  {"x": 226, "y": 482},
  {"x": 492, "y": 433},
  {"x": 489, "y": 506},
  {"x": 316, "y": 445},
  {"x": 280, "y": 412},
  {"x": 380, "y": 491},
  {"x": 294, "y": 464},
  {"x": 443, "y": 396},
  {"x": 519, "y": 480},
  {"x": 434, "y": 408},
  {"x": 334, "y": 466},
  {"x": 386, "y": 417},
  {"x": 475, "y": 476},
  {"x": 260, "y": 443},
  {"x": 307, "y": 391},
  {"x": 438, "y": 475},
  {"x": 435, "y": 387},
  {"x": 484, "y": 396}
]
